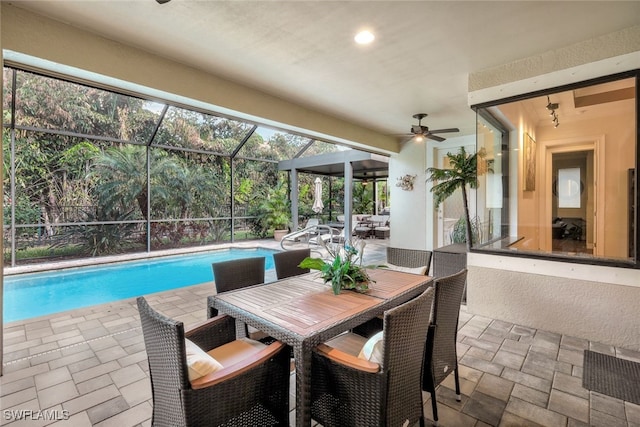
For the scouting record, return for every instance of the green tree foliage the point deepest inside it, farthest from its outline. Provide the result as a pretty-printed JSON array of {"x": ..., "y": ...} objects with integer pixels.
[
  {"x": 99, "y": 175},
  {"x": 51, "y": 168},
  {"x": 121, "y": 178},
  {"x": 362, "y": 198},
  {"x": 276, "y": 208}
]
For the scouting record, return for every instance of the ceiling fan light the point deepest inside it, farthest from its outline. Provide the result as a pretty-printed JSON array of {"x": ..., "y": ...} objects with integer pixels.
[{"x": 419, "y": 138}]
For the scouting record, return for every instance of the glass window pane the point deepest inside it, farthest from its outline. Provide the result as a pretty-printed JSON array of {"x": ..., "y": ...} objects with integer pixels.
[
  {"x": 491, "y": 187},
  {"x": 582, "y": 151},
  {"x": 194, "y": 130},
  {"x": 568, "y": 188}
]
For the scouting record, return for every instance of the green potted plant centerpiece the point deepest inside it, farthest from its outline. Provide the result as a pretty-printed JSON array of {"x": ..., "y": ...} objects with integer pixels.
[{"x": 343, "y": 269}]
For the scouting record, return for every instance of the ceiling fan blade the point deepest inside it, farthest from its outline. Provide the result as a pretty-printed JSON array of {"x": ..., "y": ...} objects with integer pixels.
[
  {"x": 444, "y": 130},
  {"x": 435, "y": 137}
]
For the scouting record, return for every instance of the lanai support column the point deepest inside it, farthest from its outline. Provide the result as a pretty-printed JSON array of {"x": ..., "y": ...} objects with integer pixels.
[
  {"x": 348, "y": 198},
  {"x": 294, "y": 198}
]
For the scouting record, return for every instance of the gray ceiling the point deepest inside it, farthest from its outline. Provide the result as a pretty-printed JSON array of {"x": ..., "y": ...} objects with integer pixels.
[{"x": 303, "y": 51}]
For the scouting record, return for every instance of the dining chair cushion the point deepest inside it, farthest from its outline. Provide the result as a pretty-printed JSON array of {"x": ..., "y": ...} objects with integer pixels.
[
  {"x": 417, "y": 270},
  {"x": 373, "y": 349},
  {"x": 199, "y": 362},
  {"x": 359, "y": 346},
  {"x": 236, "y": 351},
  {"x": 348, "y": 342}
]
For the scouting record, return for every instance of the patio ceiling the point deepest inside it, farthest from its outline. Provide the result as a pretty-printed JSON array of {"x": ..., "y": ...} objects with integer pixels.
[
  {"x": 365, "y": 165},
  {"x": 303, "y": 51}
]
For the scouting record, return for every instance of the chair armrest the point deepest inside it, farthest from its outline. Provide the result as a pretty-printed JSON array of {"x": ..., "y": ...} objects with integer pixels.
[
  {"x": 239, "y": 368},
  {"x": 347, "y": 359},
  {"x": 212, "y": 332}
]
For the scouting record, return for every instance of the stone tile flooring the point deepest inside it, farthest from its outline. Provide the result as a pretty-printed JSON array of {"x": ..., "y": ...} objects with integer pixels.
[{"x": 90, "y": 364}]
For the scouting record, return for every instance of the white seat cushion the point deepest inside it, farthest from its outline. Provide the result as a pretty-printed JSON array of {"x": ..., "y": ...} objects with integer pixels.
[
  {"x": 417, "y": 270},
  {"x": 236, "y": 351},
  {"x": 373, "y": 349},
  {"x": 199, "y": 362}
]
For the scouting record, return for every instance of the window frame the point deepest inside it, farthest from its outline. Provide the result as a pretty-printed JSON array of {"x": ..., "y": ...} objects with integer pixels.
[{"x": 633, "y": 261}]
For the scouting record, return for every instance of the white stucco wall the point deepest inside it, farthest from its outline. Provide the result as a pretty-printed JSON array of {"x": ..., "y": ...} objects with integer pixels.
[
  {"x": 417, "y": 227},
  {"x": 408, "y": 220},
  {"x": 597, "y": 303}
]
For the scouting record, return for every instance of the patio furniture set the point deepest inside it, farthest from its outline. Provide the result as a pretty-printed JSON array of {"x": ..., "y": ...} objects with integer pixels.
[
  {"x": 372, "y": 226},
  {"x": 214, "y": 374}
]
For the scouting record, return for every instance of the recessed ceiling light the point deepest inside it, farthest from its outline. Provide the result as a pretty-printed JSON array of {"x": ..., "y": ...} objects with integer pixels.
[{"x": 364, "y": 37}]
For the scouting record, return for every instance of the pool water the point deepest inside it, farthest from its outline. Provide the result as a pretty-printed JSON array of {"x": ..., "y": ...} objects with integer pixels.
[{"x": 38, "y": 294}]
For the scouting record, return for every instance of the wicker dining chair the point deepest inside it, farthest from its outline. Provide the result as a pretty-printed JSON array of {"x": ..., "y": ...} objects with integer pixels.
[
  {"x": 287, "y": 262},
  {"x": 411, "y": 258},
  {"x": 253, "y": 391},
  {"x": 350, "y": 391},
  {"x": 236, "y": 274},
  {"x": 440, "y": 353}
]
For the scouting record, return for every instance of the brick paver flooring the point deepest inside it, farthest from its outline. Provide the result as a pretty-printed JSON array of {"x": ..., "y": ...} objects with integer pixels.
[{"x": 89, "y": 365}]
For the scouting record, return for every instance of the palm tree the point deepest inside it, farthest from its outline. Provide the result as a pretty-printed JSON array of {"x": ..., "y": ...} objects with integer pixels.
[
  {"x": 121, "y": 177},
  {"x": 463, "y": 172}
]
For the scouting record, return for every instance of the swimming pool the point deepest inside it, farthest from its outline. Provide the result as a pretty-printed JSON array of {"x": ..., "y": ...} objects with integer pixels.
[{"x": 38, "y": 294}]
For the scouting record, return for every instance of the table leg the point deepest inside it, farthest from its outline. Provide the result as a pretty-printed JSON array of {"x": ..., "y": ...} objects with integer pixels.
[{"x": 302, "y": 355}]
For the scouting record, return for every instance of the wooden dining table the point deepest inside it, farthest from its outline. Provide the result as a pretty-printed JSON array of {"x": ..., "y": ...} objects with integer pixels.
[{"x": 303, "y": 312}]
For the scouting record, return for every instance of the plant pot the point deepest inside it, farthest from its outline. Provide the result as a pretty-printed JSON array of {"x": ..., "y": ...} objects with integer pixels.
[{"x": 279, "y": 234}]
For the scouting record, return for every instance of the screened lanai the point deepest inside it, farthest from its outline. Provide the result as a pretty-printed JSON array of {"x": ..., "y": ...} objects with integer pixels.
[{"x": 89, "y": 171}]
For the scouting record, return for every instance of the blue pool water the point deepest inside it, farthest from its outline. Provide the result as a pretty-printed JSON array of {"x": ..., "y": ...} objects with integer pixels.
[{"x": 38, "y": 294}]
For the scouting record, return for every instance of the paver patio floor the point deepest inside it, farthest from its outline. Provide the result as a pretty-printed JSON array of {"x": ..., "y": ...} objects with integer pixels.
[{"x": 91, "y": 364}]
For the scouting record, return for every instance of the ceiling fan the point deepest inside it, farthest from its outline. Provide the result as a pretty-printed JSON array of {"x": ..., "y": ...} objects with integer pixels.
[{"x": 424, "y": 131}]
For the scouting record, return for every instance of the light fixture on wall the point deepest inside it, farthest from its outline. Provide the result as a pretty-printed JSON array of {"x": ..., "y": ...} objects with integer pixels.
[{"x": 552, "y": 107}]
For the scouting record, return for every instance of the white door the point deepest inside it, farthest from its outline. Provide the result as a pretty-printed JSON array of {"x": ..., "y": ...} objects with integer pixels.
[{"x": 584, "y": 212}]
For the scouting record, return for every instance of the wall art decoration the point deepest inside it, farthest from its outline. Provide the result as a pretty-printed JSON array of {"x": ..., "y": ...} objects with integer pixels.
[
  {"x": 406, "y": 182},
  {"x": 529, "y": 163}
]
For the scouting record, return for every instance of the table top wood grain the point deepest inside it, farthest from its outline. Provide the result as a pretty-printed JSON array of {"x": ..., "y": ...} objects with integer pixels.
[
  {"x": 304, "y": 304},
  {"x": 302, "y": 311}
]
